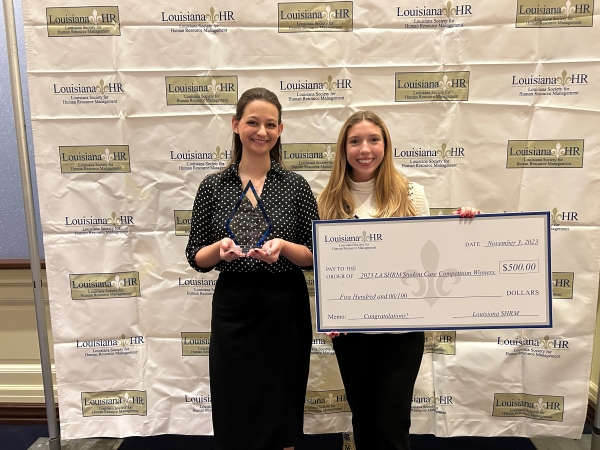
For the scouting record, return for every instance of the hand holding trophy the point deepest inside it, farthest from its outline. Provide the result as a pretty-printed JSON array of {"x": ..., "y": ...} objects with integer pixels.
[{"x": 248, "y": 224}]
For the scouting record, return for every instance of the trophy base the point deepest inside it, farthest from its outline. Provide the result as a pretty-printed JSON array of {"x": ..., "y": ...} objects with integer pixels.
[{"x": 244, "y": 249}]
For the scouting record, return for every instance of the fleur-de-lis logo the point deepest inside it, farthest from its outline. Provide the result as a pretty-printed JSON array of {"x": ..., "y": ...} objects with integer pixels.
[
  {"x": 364, "y": 236},
  {"x": 114, "y": 220},
  {"x": 564, "y": 78},
  {"x": 540, "y": 405},
  {"x": 567, "y": 10},
  {"x": 554, "y": 216},
  {"x": 117, "y": 282},
  {"x": 546, "y": 343},
  {"x": 107, "y": 155},
  {"x": 329, "y": 14},
  {"x": 128, "y": 400},
  {"x": 445, "y": 85},
  {"x": 557, "y": 152},
  {"x": 431, "y": 288},
  {"x": 444, "y": 152},
  {"x": 434, "y": 339},
  {"x": 328, "y": 154},
  {"x": 101, "y": 86},
  {"x": 214, "y": 87},
  {"x": 330, "y": 84},
  {"x": 95, "y": 18},
  {"x": 448, "y": 11},
  {"x": 124, "y": 341},
  {"x": 212, "y": 16},
  {"x": 218, "y": 154},
  {"x": 329, "y": 399}
]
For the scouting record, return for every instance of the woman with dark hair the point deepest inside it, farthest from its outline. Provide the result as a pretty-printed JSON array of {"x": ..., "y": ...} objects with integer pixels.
[
  {"x": 260, "y": 327},
  {"x": 378, "y": 370}
]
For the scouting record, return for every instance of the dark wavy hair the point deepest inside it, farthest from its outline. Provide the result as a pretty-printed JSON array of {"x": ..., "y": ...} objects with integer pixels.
[{"x": 248, "y": 97}]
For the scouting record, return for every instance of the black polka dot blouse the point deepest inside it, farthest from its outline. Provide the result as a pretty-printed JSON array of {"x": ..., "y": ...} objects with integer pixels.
[{"x": 288, "y": 201}]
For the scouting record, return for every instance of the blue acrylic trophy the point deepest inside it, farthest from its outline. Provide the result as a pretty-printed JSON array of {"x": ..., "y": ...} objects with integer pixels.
[{"x": 248, "y": 225}]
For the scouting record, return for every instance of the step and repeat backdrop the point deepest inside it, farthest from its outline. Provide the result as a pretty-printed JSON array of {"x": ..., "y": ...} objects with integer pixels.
[{"x": 490, "y": 103}]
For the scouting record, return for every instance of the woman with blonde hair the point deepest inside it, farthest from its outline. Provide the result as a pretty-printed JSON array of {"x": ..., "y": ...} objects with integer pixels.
[{"x": 378, "y": 370}]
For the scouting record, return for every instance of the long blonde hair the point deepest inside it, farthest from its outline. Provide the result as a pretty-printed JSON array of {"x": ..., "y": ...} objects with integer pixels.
[{"x": 391, "y": 188}]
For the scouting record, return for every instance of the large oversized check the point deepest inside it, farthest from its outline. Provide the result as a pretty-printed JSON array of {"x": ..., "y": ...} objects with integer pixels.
[{"x": 440, "y": 272}]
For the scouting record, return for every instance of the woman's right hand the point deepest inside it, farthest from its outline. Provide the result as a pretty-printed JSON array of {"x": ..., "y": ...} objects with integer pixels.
[{"x": 228, "y": 251}]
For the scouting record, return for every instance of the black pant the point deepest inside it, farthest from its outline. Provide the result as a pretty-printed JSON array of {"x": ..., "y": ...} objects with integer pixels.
[{"x": 379, "y": 373}]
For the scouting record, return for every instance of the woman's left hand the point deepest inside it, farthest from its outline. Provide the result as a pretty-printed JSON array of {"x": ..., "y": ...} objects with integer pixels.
[
  {"x": 269, "y": 252},
  {"x": 466, "y": 211}
]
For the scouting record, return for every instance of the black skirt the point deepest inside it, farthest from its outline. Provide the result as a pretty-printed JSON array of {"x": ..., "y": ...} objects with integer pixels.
[{"x": 260, "y": 344}]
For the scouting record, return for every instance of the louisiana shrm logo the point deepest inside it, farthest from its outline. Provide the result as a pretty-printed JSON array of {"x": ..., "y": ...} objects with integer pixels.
[
  {"x": 221, "y": 90},
  {"x": 363, "y": 241},
  {"x": 298, "y": 17},
  {"x": 562, "y": 284},
  {"x": 201, "y": 403},
  {"x": 329, "y": 90},
  {"x": 211, "y": 161},
  {"x": 547, "y": 347},
  {"x": 183, "y": 221},
  {"x": 322, "y": 346},
  {"x": 445, "y": 157},
  {"x": 87, "y": 225},
  {"x": 432, "y": 86},
  {"x": 212, "y": 21},
  {"x": 446, "y": 16},
  {"x": 94, "y": 159},
  {"x": 440, "y": 342},
  {"x": 561, "y": 220},
  {"x": 195, "y": 344},
  {"x": 114, "y": 403},
  {"x": 95, "y": 286},
  {"x": 309, "y": 276},
  {"x": 313, "y": 157},
  {"x": 198, "y": 286},
  {"x": 325, "y": 402},
  {"x": 541, "y": 154},
  {"x": 566, "y": 84},
  {"x": 83, "y": 21},
  {"x": 122, "y": 346},
  {"x": 95, "y": 93},
  {"x": 537, "y": 407},
  {"x": 436, "y": 403},
  {"x": 554, "y": 13}
]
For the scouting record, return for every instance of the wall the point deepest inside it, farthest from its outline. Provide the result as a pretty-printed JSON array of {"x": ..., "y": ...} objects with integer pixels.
[
  {"x": 20, "y": 370},
  {"x": 13, "y": 235}
]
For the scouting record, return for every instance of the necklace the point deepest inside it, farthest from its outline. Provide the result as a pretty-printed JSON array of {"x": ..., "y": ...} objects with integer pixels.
[{"x": 256, "y": 184}]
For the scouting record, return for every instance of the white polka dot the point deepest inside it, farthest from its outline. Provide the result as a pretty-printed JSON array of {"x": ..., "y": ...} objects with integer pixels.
[{"x": 287, "y": 199}]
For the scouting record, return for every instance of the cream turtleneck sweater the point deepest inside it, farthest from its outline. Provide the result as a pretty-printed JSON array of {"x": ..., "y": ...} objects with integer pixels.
[{"x": 364, "y": 198}]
